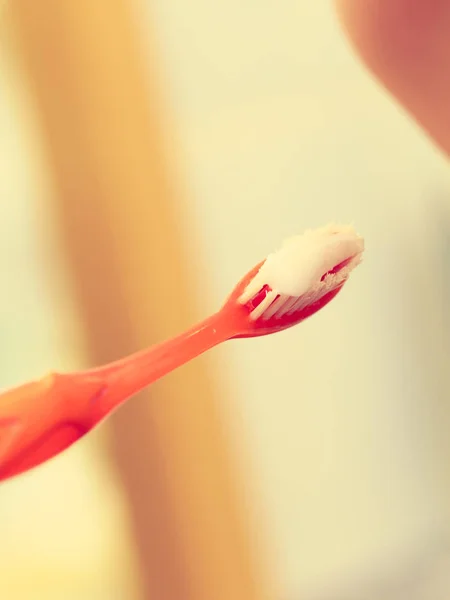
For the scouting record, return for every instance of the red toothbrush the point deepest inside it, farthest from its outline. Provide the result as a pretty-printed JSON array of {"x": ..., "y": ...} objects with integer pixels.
[{"x": 40, "y": 419}]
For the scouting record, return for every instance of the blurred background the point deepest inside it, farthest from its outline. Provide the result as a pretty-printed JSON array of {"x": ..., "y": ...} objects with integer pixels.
[{"x": 151, "y": 153}]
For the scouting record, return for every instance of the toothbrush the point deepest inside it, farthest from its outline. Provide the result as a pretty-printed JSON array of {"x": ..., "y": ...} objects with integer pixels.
[{"x": 40, "y": 419}]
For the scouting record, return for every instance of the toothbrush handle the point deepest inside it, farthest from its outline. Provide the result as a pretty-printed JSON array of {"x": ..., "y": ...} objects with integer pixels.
[
  {"x": 40, "y": 419},
  {"x": 131, "y": 374}
]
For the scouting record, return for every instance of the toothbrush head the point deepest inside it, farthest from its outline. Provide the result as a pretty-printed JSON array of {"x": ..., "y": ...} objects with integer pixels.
[{"x": 296, "y": 281}]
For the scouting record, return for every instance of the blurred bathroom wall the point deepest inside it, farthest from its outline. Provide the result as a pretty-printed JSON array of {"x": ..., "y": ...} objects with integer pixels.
[
  {"x": 66, "y": 542},
  {"x": 279, "y": 129},
  {"x": 282, "y": 126}
]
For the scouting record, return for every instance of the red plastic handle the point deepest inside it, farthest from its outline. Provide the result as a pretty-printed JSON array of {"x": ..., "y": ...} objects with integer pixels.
[
  {"x": 41, "y": 419},
  {"x": 38, "y": 420}
]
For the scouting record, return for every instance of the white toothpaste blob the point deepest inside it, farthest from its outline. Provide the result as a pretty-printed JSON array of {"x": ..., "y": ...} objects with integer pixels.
[
  {"x": 302, "y": 261},
  {"x": 297, "y": 270}
]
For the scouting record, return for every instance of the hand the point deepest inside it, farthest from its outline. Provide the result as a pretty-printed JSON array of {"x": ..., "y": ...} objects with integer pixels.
[{"x": 406, "y": 44}]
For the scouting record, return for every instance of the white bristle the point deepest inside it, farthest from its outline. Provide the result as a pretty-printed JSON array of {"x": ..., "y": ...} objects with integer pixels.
[
  {"x": 286, "y": 306},
  {"x": 264, "y": 305},
  {"x": 294, "y": 273},
  {"x": 275, "y": 307},
  {"x": 255, "y": 286}
]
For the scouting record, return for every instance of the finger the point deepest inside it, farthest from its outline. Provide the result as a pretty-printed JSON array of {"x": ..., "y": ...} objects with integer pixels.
[{"x": 406, "y": 43}]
